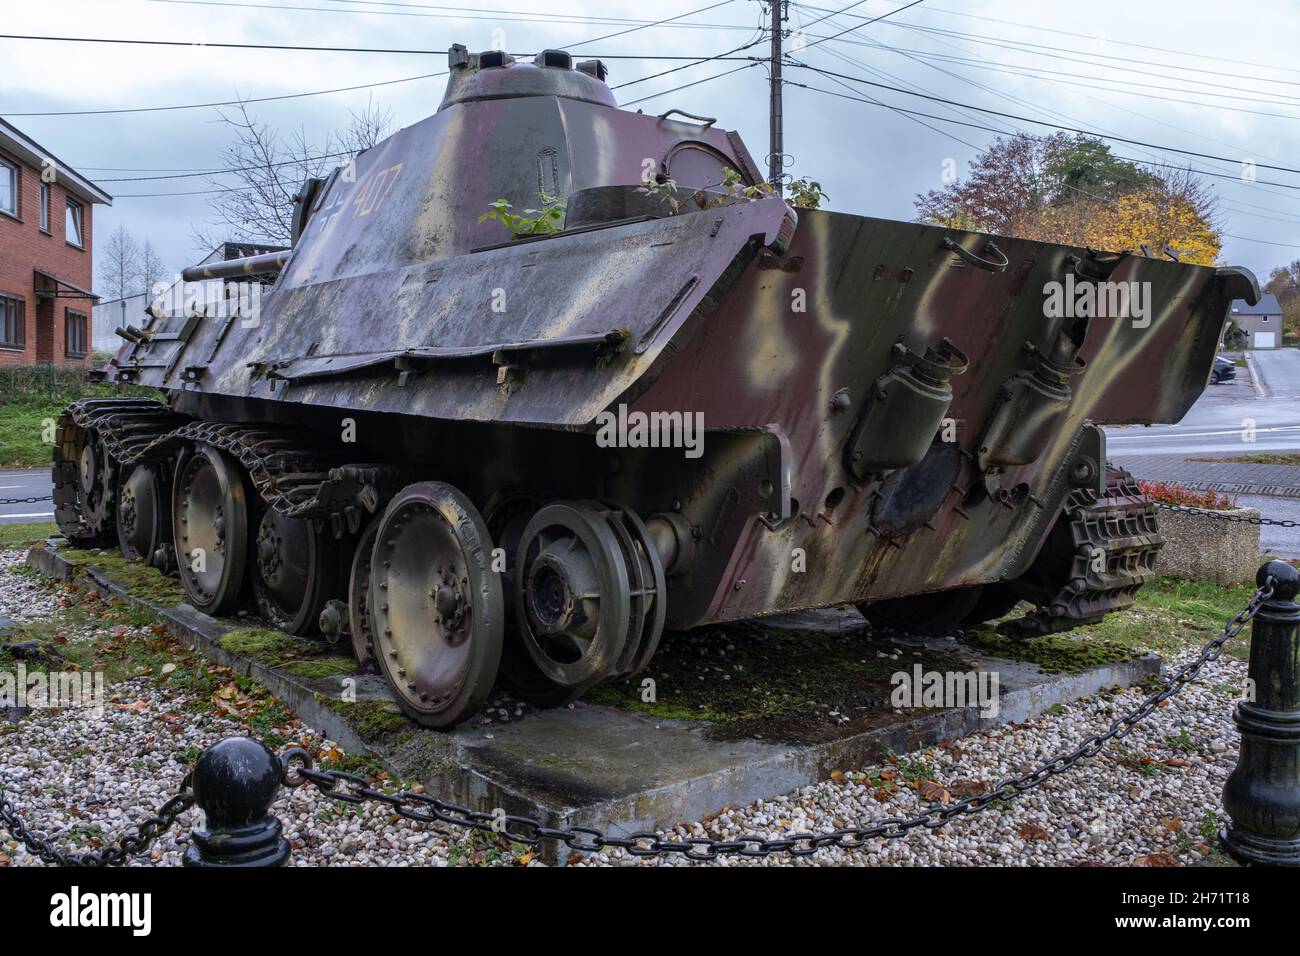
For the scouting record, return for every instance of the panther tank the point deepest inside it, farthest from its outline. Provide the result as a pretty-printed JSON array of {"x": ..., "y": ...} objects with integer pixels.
[{"x": 481, "y": 454}]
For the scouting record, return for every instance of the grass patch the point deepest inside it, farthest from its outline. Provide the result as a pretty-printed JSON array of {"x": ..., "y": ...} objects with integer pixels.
[
  {"x": 1169, "y": 615},
  {"x": 15, "y": 536},
  {"x": 23, "y": 429},
  {"x": 1260, "y": 459},
  {"x": 27, "y": 417}
]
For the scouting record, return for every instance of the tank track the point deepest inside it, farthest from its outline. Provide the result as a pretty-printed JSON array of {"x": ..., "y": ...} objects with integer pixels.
[
  {"x": 293, "y": 475},
  {"x": 127, "y": 426},
  {"x": 1117, "y": 529}
]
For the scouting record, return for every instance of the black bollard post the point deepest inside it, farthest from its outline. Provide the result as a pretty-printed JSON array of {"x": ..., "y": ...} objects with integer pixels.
[
  {"x": 235, "y": 781},
  {"x": 1262, "y": 795}
]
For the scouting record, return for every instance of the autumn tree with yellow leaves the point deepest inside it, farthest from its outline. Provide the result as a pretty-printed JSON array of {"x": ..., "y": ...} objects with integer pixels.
[{"x": 1071, "y": 189}]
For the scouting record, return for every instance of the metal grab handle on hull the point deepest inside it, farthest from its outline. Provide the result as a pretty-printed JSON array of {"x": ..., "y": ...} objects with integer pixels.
[
  {"x": 992, "y": 265},
  {"x": 706, "y": 120}
]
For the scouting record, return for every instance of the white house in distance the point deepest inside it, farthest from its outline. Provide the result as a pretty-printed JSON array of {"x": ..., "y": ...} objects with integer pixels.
[{"x": 1262, "y": 322}]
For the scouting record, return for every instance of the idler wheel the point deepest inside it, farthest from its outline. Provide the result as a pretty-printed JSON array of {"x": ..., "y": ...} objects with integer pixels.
[
  {"x": 144, "y": 523},
  {"x": 507, "y": 515},
  {"x": 360, "y": 620},
  {"x": 572, "y": 600},
  {"x": 85, "y": 479},
  {"x": 294, "y": 571},
  {"x": 437, "y": 608},
  {"x": 210, "y": 524}
]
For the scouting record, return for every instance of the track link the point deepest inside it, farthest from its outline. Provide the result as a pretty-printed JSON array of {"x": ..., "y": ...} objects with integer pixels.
[
  {"x": 1115, "y": 540},
  {"x": 295, "y": 476}
]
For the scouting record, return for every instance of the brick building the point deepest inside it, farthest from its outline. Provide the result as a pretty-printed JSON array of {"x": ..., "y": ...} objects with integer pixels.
[{"x": 45, "y": 255}]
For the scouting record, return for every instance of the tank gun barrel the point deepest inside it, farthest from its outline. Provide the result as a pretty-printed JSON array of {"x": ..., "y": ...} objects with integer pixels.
[{"x": 265, "y": 264}]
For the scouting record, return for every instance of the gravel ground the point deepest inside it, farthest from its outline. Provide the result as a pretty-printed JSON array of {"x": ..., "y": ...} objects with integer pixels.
[{"x": 1151, "y": 800}]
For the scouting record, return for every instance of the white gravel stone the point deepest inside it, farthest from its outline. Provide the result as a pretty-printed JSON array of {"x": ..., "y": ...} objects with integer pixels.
[{"x": 82, "y": 779}]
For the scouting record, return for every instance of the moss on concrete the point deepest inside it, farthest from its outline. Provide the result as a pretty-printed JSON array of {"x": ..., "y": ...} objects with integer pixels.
[
  {"x": 138, "y": 578},
  {"x": 270, "y": 647},
  {"x": 1055, "y": 653},
  {"x": 322, "y": 667},
  {"x": 754, "y": 678},
  {"x": 373, "y": 720}
]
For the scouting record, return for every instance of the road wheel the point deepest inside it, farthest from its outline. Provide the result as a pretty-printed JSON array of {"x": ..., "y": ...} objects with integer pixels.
[
  {"x": 210, "y": 525},
  {"x": 144, "y": 521},
  {"x": 437, "y": 606},
  {"x": 294, "y": 571}
]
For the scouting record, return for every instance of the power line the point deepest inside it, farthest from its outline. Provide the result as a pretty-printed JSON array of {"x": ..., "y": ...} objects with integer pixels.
[
  {"x": 237, "y": 102},
  {"x": 890, "y": 13},
  {"x": 686, "y": 86},
  {"x": 223, "y": 172},
  {"x": 1026, "y": 119},
  {"x": 195, "y": 44},
  {"x": 991, "y": 129},
  {"x": 648, "y": 25},
  {"x": 1025, "y": 46},
  {"x": 687, "y": 66},
  {"x": 517, "y": 16},
  {"x": 944, "y": 119}
]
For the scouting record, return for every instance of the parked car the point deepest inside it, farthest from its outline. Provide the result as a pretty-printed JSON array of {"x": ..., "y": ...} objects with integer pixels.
[{"x": 1223, "y": 370}]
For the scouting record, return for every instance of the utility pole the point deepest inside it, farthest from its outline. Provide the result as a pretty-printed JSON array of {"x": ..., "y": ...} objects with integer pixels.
[{"x": 776, "y": 139}]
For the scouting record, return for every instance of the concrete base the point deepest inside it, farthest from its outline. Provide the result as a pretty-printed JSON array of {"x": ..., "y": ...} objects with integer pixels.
[{"x": 615, "y": 769}]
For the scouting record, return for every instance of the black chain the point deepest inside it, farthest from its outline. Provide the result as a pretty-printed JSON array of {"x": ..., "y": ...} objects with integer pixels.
[
  {"x": 25, "y": 501},
  {"x": 350, "y": 788},
  {"x": 133, "y": 844},
  {"x": 422, "y": 807},
  {"x": 1223, "y": 516}
]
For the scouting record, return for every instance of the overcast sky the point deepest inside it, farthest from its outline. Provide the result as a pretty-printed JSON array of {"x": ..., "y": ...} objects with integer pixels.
[{"x": 1065, "y": 62}]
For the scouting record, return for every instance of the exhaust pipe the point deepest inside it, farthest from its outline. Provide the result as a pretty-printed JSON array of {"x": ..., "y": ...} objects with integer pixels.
[{"x": 268, "y": 263}]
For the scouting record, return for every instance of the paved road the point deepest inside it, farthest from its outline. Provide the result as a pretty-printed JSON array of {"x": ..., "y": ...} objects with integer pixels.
[
  {"x": 1281, "y": 542},
  {"x": 1215, "y": 425},
  {"x": 28, "y": 483}
]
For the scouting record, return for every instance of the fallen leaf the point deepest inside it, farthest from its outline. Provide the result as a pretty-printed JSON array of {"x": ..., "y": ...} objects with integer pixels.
[
  {"x": 837, "y": 776},
  {"x": 1032, "y": 831},
  {"x": 1159, "y": 858},
  {"x": 166, "y": 669},
  {"x": 525, "y": 859},
  {"x": 961, "y": 789},
  {"x": 932, "y": 791},
  {"x": 574, "y": 858},
  {"x": 1175, "y": 762},
  {"x": 881, "y": 795},
  {"x": 1171, "y": 823},
  {"x": 136, "y": 706}
]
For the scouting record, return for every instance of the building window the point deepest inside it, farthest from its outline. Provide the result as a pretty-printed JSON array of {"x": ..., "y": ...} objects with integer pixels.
[
  {"x": 45, "y": 207},
  {"x": 74, "y": 223},
  {"x": 74, "y": 335},
  {"x": 1264, "y": 318},
  {"x": 13, "y": 325},
  {"x": 8, "y": 187}
]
